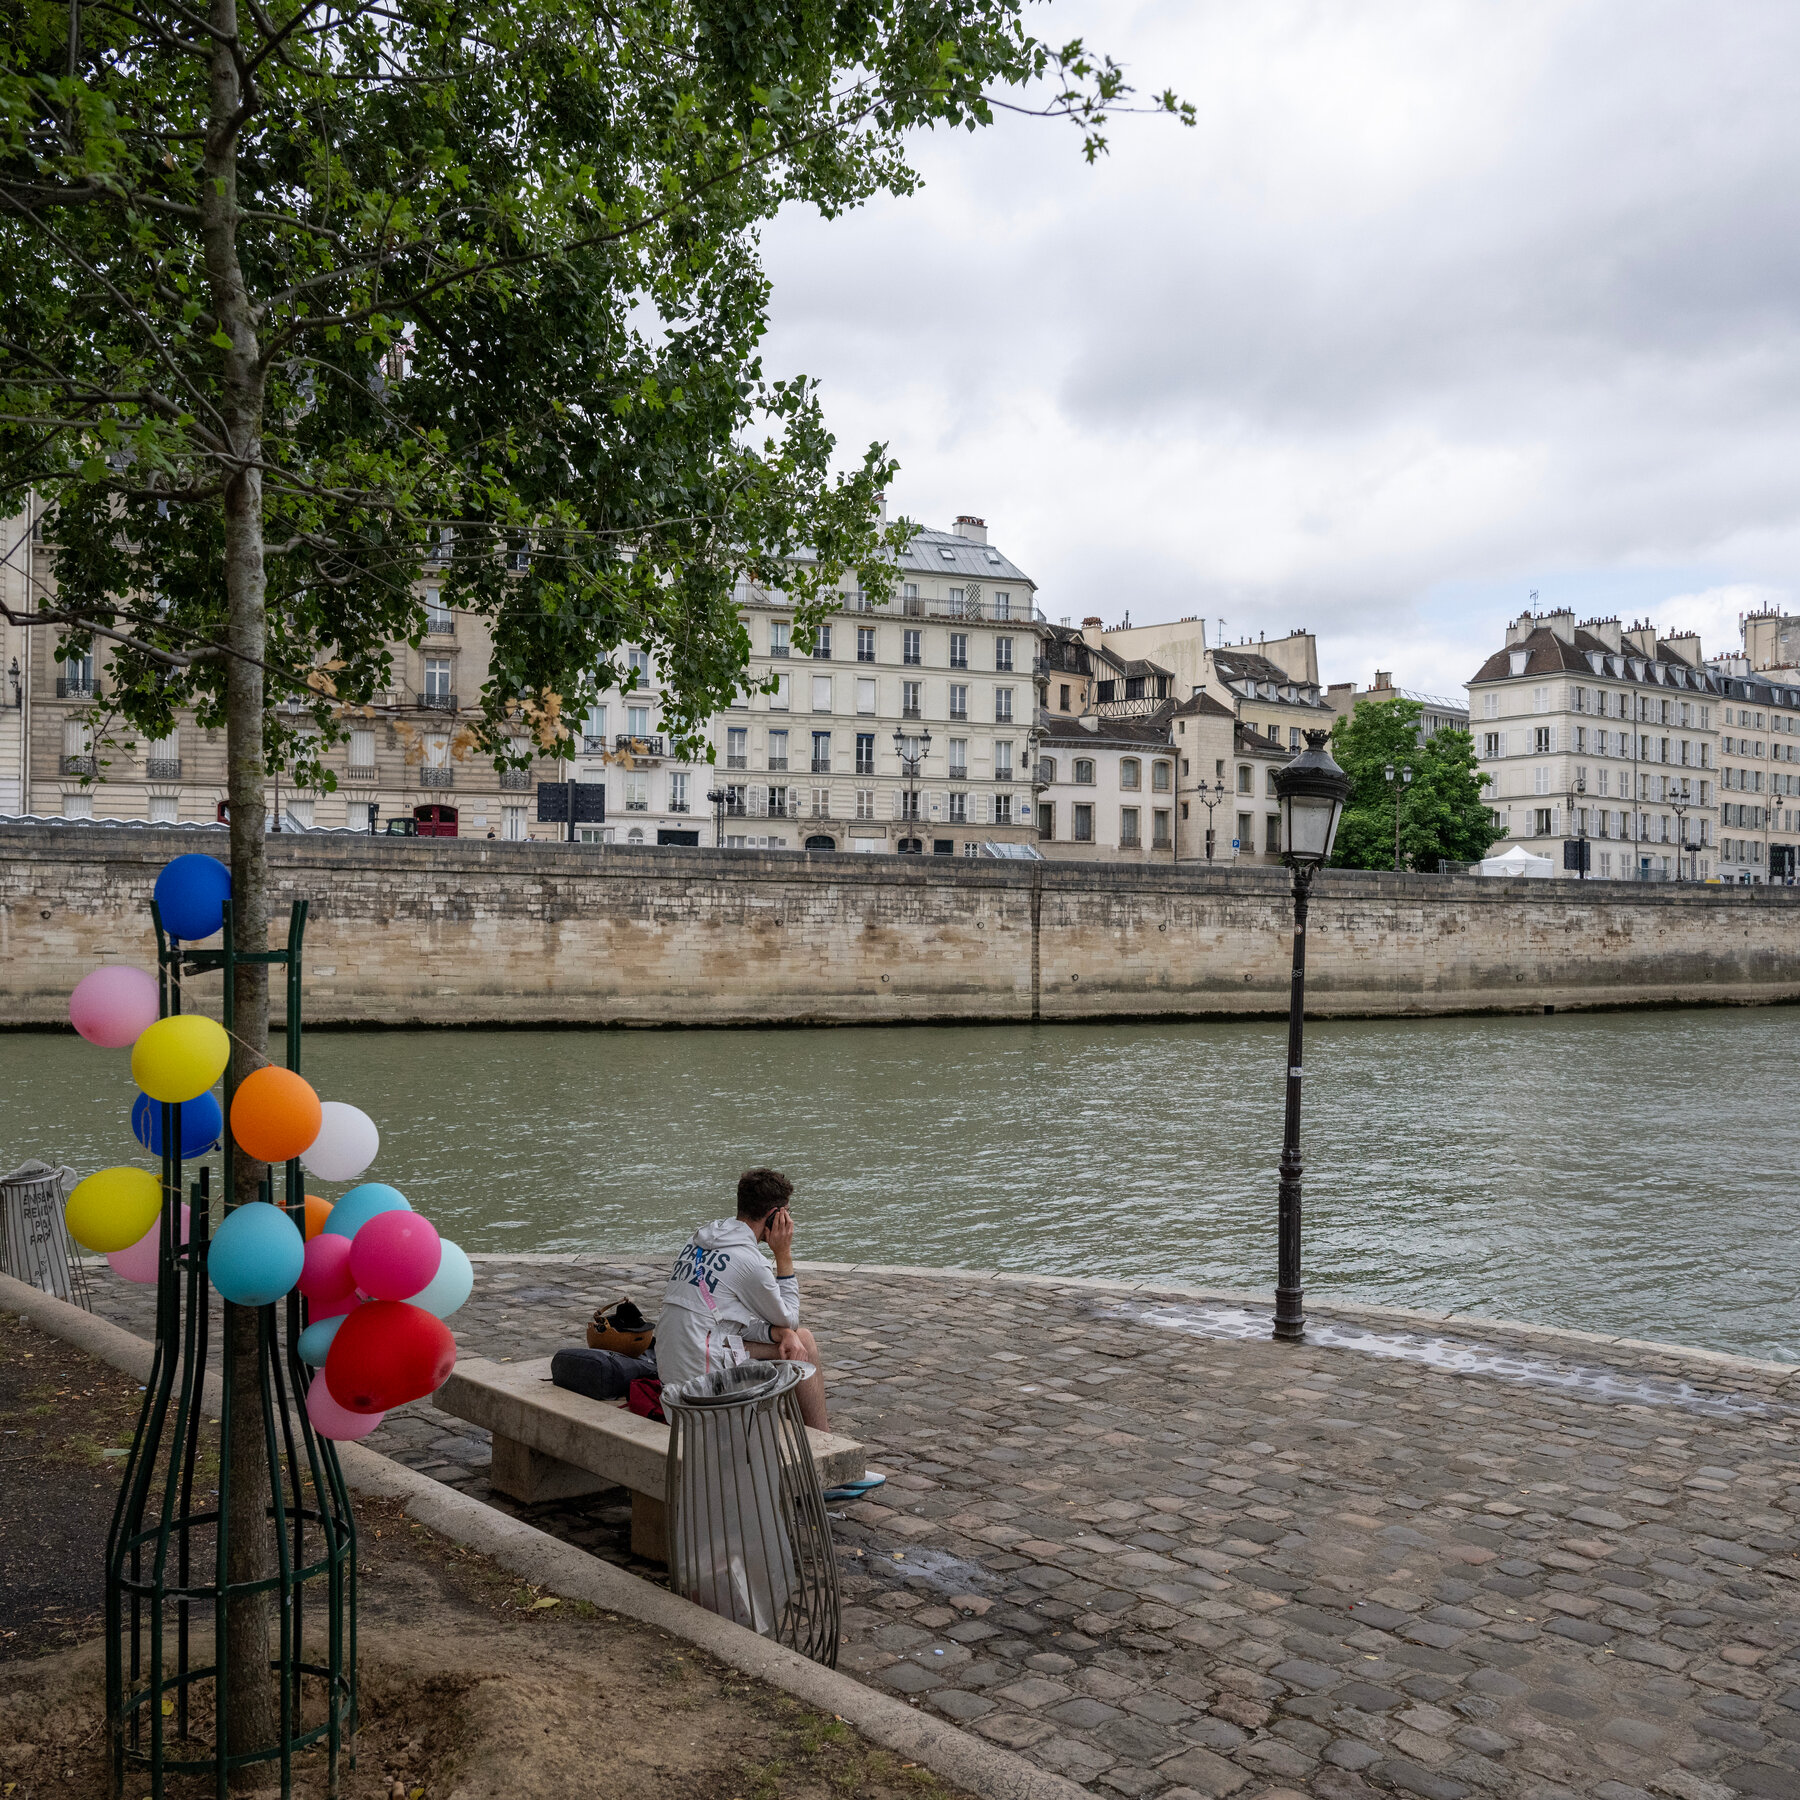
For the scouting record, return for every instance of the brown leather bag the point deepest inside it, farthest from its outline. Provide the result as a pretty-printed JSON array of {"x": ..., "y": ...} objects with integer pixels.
[{"x": 624, "y": 1329}]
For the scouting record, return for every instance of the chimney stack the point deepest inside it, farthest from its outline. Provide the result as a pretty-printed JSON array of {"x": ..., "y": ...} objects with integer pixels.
[{"x": 974, "y": 529}]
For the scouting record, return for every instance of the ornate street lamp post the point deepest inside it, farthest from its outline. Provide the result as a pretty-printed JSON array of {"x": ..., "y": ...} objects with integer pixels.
[
  {"x": 911, "y": 762},
  {"x": 1209, "y": 797},
  {"x": 1312, "y": 790},
  {"x": 716, "y": 799},
  {"x": 1406, "y": 775},
  {"x": 1678, "y": 805},
  {"x": 1578, "y": 826}
]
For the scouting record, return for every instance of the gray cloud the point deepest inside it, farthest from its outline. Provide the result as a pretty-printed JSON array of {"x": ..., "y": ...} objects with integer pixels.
[{"x": 1439, "y": 303}]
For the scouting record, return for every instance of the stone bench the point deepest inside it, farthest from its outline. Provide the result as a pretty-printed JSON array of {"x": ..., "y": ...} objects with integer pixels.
[{"x": 551, "y": 1444}]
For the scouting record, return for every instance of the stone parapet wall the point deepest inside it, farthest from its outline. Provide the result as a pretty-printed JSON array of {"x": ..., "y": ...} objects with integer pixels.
[{"x": 445, "y": 931}]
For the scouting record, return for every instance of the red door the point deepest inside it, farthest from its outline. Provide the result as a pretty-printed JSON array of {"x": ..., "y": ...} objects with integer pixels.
[{"x": 436, "y": 821}]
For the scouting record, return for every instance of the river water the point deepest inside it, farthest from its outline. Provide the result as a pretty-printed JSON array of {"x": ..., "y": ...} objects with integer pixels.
[{"x": 1629, "y": 1172}]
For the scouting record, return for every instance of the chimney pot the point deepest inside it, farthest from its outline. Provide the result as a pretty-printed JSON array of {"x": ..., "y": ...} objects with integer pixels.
[{"x": 972, "y": 528}]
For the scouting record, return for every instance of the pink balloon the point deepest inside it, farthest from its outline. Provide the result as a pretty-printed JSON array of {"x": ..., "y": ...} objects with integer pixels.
[
  {"x": 331, "y": 1309},
  {"x": 325, "y": 1275},
  {"x": 333, "y": 1421},
  {"x": 139, "y": 1261},
  {"x": 395, "y": 1255},
  {"x": 112, "y": 1006}
]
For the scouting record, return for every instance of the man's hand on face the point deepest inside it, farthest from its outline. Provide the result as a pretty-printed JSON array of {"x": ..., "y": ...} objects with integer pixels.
[{"x": 781, "y": 1241}]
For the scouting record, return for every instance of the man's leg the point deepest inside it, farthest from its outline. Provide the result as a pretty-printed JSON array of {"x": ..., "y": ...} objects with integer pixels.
[{"x": 812, "y": 1389}]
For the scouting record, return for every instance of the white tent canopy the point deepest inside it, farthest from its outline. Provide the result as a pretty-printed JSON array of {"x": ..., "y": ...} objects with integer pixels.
[{"x": 1518, "y": 861}]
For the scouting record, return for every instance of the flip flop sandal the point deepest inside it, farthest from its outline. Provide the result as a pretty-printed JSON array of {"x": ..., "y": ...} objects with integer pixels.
[{"x": 855, "y": 1490}]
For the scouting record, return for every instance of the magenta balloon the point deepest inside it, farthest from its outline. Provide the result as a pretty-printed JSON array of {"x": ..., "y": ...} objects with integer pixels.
[
  {"x": 114, "y": 1005},
  {"x": 138, "y": 1262},
  {"x": 395, "y": 1255},
  {"x": 333, "y": 1421},
  {"x": 325, "y": 1275},
  {"x": 331, "y": 1309}
]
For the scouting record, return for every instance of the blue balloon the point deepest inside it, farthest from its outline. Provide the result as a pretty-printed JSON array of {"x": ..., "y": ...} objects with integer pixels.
[
  {"x": 202, "y": 1125},
  {"x": 315, "y": 1340},
  {"x": 256, "y": 1255},
  {"x": 356, "y": 1208},
  {"x": 449, "y": 1287},
  {"x": 190, "y": 894}
]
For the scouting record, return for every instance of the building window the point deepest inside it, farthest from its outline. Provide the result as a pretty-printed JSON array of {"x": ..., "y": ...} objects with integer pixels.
[
  {"x": 865, "y": 643},
  {"x": 637, "y": 791},
  {"x": 678, "y": 791},
  {"x": 959, "y": 807},
  {"x": 1003, "y": 655},
  {"x": 865, "y": 694},
  {"x": 778, "y": 750},
  {"x": 1003, "y": 810},
  {"x": 1002, "y": 606},
  {"x": 1084, "y": 824},
  {"x": 865, "y": 801},
  {"x": 1540, "y": 821},
  {"x": 821, "y": 753},
  {"x": 437, "y": 679},
  {"x": 1159, "y": 777},
  {"x": 639, "y": 663},
  {"x": 821, "y": 803},
  {"x": 1540, "y": 741},
  {"x": 1269, "y": 787},
  {"x": 911, "y": 647},
  {"x": 637, "y": 721},
  {"x": 1540, "y": 699},
  {"x": 1003, "y": 706},
  {"x": 959, "y": 649},
  {"x": 1128, "y": 828},
  {"x": 1244, "y": 781},
  {"x": 1272, "y": 835},
  {"x": 1160, "y": 821},
  {"x": 512, "y": 824},
  {"x": 1084, "y": 771},
  {"x": 959, "y": 700},
  {"x": 959, "y": 759},
  {"x": 865, "y": 753},
  {"x": 778, "y": 802},
  {"x": 778, "y": 700},
  {"x": 1003, "y": 764},
  {"x": 362, "y": 749},
  {"x": 1490, "y": 745},
  {"x": 911, "y": 705},
  {"x": 438, "y": 619},
  {"x": 737, "y": 748},
  {"x": 1129, "y": 773},
  {"x": 778, "y": 637},
  {"x": 164, "y": 809},
  {"x": 956, "y": 603},
  {"x": 821, "y": 693},
  {"x": 822, "y": 644},
  {"x": 1065, "y": 696},
  {"x": 1490, "y": 706}
]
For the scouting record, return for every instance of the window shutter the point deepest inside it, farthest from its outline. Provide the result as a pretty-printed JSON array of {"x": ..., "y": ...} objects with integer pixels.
[
  {"x": 757, "y": 800},
  {"x": 984, "y": 809}
]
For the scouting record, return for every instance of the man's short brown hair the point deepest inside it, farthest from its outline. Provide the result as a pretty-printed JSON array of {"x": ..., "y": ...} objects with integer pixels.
[{"x": 761, "y": 1192}]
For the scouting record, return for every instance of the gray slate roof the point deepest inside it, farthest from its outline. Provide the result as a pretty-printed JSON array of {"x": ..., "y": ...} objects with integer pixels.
[{"x": 982, "y": 562}]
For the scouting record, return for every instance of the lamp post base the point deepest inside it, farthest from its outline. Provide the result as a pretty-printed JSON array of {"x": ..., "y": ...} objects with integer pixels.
[{"x": 1290, "y": 1315}]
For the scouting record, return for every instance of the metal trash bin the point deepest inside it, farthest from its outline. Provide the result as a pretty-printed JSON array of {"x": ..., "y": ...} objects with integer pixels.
[
  {"x": 34, "y": 1242},
  {"x": 747, "y": 1533}
]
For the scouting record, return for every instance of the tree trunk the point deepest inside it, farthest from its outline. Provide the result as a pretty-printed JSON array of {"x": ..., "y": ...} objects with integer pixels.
[{"x": 252, "y": 1714}]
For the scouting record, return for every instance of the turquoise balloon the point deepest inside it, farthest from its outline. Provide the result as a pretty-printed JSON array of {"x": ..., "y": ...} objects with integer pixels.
[
  {"x": 315, "y": 1340},
  {"x": 449, "y": 1287},
  {"x": 257, "y": 1254},
  {"x": 362, "y": 1204}
]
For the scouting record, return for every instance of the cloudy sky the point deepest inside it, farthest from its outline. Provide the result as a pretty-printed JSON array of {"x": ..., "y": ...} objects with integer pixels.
[{"x": 1441, "y": 303}]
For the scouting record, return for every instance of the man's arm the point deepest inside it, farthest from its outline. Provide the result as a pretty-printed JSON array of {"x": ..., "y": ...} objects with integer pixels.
[{"x": 775, "y": 1299}]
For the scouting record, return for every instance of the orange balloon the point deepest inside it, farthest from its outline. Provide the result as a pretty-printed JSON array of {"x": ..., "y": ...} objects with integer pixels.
[
  {"x": 274, "y": 1115},
  {"x": 317, "y": 1212}
]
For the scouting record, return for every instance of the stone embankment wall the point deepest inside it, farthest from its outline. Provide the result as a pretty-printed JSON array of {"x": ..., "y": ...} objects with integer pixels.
[{"x": 477, "y": 932}]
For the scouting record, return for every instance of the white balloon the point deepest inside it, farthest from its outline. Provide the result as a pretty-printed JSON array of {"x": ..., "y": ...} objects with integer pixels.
[
  {"x": 449, "y": 1287},
  {"x": 346, "y": 1144}
]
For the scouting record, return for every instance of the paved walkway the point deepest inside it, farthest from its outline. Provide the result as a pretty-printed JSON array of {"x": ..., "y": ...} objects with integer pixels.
[{"x": 1170, "y": 1558}]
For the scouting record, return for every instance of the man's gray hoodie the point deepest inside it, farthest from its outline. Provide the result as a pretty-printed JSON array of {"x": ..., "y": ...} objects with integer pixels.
[{"x": 721, "y": 1295}]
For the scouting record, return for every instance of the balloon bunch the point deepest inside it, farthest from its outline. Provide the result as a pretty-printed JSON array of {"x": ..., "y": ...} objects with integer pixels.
[{"x": 378, "y": 1280}]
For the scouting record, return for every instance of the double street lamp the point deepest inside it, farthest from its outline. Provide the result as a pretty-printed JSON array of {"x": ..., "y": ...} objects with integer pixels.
[
  {"x": 1678, "y": 805},
  {"x": 1312, "y": 790},
  {"x": 1577, "y": 848},
  {"x": 911, "y": 762},
  {"x": 1405, "y": 773},
  {"x": 1209, "y": 797},
  {"x": 716, "y": 800}
]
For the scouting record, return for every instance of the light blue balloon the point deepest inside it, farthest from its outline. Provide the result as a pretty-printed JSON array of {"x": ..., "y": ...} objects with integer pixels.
[
  {"x": 362, "y": 1204},
  {"x": 257, "y": 1255},
  {"x": 449, "y": 1287},
  {"x": 315, "y": 1340}
]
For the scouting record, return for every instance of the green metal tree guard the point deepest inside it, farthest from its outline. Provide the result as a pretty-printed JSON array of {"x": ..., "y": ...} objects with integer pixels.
[{"x": 168, "y": 1551}]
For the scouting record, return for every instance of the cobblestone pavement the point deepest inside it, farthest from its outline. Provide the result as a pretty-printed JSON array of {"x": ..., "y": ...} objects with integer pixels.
[{"x": 1165, "y": 1557}]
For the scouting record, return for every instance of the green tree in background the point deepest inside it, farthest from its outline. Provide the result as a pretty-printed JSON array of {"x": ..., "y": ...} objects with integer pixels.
[
  {"x": 297, "y": 293},
  {"x": 1443, "y": 814}
]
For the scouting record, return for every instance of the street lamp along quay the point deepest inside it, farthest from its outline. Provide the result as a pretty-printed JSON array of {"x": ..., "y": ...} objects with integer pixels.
[
  {"x": 1312, "y": 790},
  {"x": 1406, "y": 776},
  {"x": 911, "y": 764}
]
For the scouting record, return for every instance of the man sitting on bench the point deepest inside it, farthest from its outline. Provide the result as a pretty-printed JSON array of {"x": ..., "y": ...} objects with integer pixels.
[{"x": 722, "y": 1304}]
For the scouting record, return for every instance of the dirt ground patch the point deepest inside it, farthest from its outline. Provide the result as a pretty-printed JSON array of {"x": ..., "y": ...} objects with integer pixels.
[{"x": 473, "y": 1685}]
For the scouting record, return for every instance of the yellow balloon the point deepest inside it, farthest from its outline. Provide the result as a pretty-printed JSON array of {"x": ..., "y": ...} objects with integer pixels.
[
  {"x": 113, "y": 1208},
  {"x": 180, "y": 1058}
]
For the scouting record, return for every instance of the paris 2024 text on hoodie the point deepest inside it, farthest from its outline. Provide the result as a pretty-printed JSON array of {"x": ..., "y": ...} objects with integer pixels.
[{"x": 721, "y": 1295}]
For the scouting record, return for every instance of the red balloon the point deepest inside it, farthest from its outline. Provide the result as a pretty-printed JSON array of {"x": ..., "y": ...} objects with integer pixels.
[{"x": 387, "y": 1353}]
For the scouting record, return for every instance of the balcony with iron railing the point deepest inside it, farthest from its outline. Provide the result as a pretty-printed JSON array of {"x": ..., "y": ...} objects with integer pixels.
[
  {"x": 680, "y": 806},
  {"x": 778, "y": 765},
  {"x": 79, "y": 765},
  {"x": 75, "y": 687},
  {"x": 440, "y": 625},
  {"x": 635, "y": 745},
  {"x": 515, "y": 780},
  {"x": 739, "y": 761},
  {"x": 593, "y": 744},
  {"x": 912, "y": 712},
  {"x": 821, "y": 765},
  {"x": 163, "y": 768},
  {"x": 437, "y": 778},
  {"x": 437, "y": 702}
]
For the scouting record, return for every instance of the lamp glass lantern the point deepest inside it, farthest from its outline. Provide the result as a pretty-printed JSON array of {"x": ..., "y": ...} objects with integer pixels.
[{"x": 1312, "y": 790}]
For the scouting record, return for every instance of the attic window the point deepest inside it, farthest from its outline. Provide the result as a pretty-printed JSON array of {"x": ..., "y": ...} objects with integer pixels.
[
  {"x": 993, "y": 556},
  {"x": 946, "y": 553}
]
